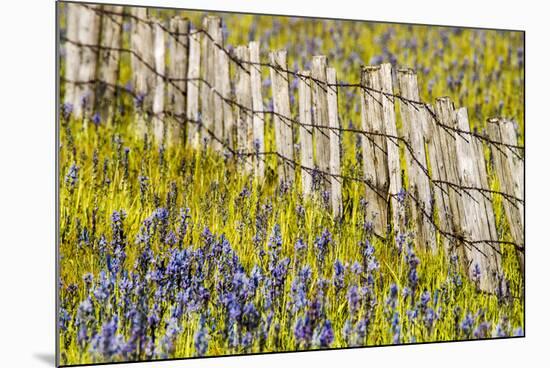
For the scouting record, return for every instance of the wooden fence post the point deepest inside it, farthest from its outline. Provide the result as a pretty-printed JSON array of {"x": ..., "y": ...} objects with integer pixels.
[
  {"x": 143, "y": 64},
  {"x": 508, "y": 164},
  {"x": 392, "y": 144},
  {"x": 225, "y": 111},
  {"x": 73, "y": 53},
  {"x": 476, "y": 222},
  {"x": 109, "y": 58},
  {"x": 281, "y": 107},
  {"x": 490, "y": 227},
  {"x": 305, "y": 132},
  {"x": 375, "y": 163},
  {"x": 258, "y": 120},
  {"x": 437, "y": 165},
  {"x": 88, "y": 35},
  {"x": 158, "y": 101},
  {"x": 414, "y": 125},
  {"x": 193, "y": 120},
  {"x": 218, "y": 95},
  {"x": 320, "y": 118},
  {"x": 177, "y": 72},
  {"x": 209, "y": 104},
  {"x": 446, "y": 115},
  {"x": 334, "y": 122},
  {"x": 244, "y": 116}
]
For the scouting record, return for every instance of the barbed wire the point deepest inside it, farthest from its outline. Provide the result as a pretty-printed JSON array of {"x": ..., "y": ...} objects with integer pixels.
[
  {"x": 321, "y": 129},
  {"x": 381, "y": 192},
  {"x": 290, "y": 121}
]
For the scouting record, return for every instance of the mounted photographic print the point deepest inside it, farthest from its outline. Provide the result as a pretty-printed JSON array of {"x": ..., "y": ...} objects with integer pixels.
[{"x": 235, "y": 184}]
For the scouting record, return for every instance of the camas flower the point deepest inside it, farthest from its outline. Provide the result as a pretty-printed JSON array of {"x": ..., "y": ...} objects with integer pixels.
[
  {"x": 300, "y": 245},
  {"x": 321, "y": 244},
  {"x": 201, "y": 339},
  {"x": 467, "y": 324},
  {"x": 107, "y": 343},
  {"x": 476, "y": 273},
  {"x": 353, "y": 299},
  {"x": 339, "y": 270},
  {"x": 96, "y": 119},
  {"x": 250, "y": 317},
  {"x": 71, "y": 178},
  {"x": 64, "y": 319},
  {"x": 482, "y": 331},
  {"x": 392, "y": 299},
  {"x": 326, "y": 335},
  {"x": 425, "y": 299},
  {"x": 67, "y": 110}
]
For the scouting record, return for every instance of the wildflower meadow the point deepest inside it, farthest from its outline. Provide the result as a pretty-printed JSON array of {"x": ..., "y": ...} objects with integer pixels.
[{"x": 174, "y": 251}]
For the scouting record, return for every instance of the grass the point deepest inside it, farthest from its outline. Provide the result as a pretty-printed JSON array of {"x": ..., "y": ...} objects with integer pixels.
[{"x": 112, "y": 162}]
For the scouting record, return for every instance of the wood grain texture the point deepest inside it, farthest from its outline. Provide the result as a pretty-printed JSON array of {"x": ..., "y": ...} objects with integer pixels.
[
  {"x": 375, "y": 162},
  {"x": 244, "y": 116},
  {"x": 194, "y": 124},
  {"x": 281, "y": 105},
  {"x": 335, "y": 146},
  {"x": 437, "y": 166},
  {"x": 258, "y": 119},
  {"x": 108, "y": 61},
  {"x": 446, "y": 115},
  {"x": 305, "y": 132},
  {"x": 224, "y": 85},
  {"x": 414, "y": 126},
  {"x": 88, "y": 34},
  {"x": 209, "y": 103},
  {"x": 477, "y": 224},
  {"x": 320, "y": 118},
  {"x": 177, "y": 72},
  {"x": 143, "y": 64},
  {"x": 508, "y": 164},
  {"x": 73, "y": 53},
  {"x": 215, "y": 29},
  {"x": 392, "y": 144},
  {"x": 160, "y": 70}
]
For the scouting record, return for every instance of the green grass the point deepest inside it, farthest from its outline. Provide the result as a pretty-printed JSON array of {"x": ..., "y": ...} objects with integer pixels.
[{"x": 211, "y": 186}]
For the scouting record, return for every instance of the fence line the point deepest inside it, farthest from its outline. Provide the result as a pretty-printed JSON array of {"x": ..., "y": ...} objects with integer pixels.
[
  {"x": 447, "y": 185},
  {"x": 424, "y": 170},
  {"x": 415, "y": 104}
]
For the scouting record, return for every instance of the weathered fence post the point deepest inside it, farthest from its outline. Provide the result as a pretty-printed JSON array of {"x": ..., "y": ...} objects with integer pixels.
[
  {"x": 392, "y": 144},
  {"x": 438, "y": 173},
  {"x": 209, "y": 104},
  {"x": 375, "y": 163},
  {"x": 414, "y": 125},
  {"x": 224, "y": 88},
  {"x": 508, "y": 164},
  {"x": 258, "y": 120},
  {"x": 143, "y": 64},
  {"x": 320, "y": 118},
  {"x": 476, "y": 222},
  {"x": 177, "y": 72},
  {"x": 108, "y": 60},
  {"x": 305, "y": 132},
  {"x": 446, "y": 115},
  {"x": 281, "y": 107},
  {"x": 158, "y": 102},
  {"x": 244, "y": 116},
  {"x": 487, "y": 203},
  {"x": 88, "y": 37},
  {"x": 334, "y": 133},
  {"x": 215, "y": 30},
  {"x": 73, "y": 53},
  {"x": 193, "y": 120}
]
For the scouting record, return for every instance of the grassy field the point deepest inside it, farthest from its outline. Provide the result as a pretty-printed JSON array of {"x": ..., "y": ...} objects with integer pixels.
[{"x": 170, "y": 252}]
